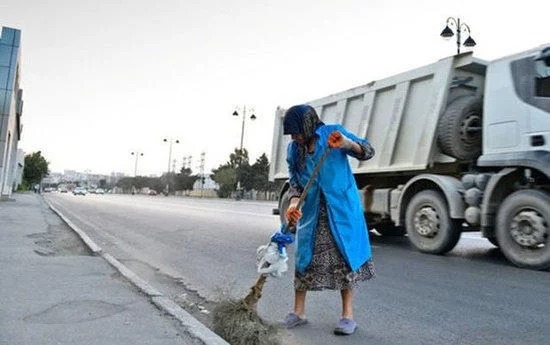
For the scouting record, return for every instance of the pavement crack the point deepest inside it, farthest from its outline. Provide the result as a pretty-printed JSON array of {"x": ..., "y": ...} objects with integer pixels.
[{"x": 75, "y": 312}]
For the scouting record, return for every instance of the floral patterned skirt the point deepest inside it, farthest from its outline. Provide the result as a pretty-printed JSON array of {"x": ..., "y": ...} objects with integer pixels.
[{"x": 328, "y": 269}]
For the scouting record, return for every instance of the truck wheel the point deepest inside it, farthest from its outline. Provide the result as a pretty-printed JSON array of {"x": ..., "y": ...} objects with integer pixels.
[
  {"x": 284, "y": 201},
  {"x": 523, "y": 228},
  {"x": 429, "y": 226},
  {"x": 459, "y": 128}
]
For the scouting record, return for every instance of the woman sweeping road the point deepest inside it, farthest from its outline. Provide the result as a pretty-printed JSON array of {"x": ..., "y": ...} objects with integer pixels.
[{"x": 332, "y": 245}]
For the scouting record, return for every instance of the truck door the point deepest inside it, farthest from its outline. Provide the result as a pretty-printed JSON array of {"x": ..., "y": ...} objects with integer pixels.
[{"x": 531, "y": 77}]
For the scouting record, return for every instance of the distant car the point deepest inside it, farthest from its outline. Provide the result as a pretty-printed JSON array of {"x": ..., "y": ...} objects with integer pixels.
[
  {"x": 79, "y": 191},
  {"x": 100, "y": 191},
  {"x": 152, "y": 192},
  {"x": 62, "y": 190}
]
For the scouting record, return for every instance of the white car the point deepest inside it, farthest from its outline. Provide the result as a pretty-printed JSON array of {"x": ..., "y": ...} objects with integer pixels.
[{"x": 79, "y": 191}]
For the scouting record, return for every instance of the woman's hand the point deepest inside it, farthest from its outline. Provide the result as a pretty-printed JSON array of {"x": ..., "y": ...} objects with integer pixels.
[
  {"x": 293, "y": 214},
  {"x": 336, "y": 140}
]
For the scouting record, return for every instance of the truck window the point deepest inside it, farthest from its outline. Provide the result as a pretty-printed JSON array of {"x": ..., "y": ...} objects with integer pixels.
[
  {"x": 531, "y": 78},
  {"x": 543, "y": 87},
  {"x": 542, "y": 71}
]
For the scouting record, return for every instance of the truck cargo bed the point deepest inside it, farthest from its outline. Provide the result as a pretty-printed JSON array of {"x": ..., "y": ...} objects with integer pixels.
[{"x": 384, "y": 111}]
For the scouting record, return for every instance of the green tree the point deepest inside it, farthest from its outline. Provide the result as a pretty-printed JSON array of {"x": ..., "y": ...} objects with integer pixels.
[
  {"x": 238, "y": 158},
  {"x": 103, "y": 183},
  {"x": 226, "y": 177},
  {"x": 125, "y": 183},
  {"x": 260, "y": 177},
  {"x": 129, "y": 183},
  {"x": 36, "y": 167},
  {"x": 184, "y": 180},
  {"x": 234, "y": 170},
  {"x": 237, "y": 168}
]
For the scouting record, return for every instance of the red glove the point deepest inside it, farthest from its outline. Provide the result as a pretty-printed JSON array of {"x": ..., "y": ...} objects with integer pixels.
[
  {"x": 335, "y": 140},
  {"x": 293, "y": 214}
]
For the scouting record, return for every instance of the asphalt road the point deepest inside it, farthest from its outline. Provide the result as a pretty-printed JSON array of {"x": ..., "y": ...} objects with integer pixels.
[{"x": 199, "y": 251}]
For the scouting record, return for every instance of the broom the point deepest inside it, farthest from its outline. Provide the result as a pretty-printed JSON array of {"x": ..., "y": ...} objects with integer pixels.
[{"x": 237, "y": 321}]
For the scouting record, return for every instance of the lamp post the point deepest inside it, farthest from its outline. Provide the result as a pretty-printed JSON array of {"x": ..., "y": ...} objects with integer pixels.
[
  {"x": 252, "y": 117},
  {"x": 137, "y": 154},
  {"x": 170, "y": 141},
  {"x": 201, "y": 167},
  {"x": 458, "y": 29}
]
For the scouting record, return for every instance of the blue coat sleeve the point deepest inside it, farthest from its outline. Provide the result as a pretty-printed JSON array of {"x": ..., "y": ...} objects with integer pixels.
[{"x": 368, "y": 150}]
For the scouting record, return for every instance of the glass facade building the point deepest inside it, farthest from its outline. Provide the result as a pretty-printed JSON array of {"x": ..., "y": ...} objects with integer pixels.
[{"x": 11, "y": 108}]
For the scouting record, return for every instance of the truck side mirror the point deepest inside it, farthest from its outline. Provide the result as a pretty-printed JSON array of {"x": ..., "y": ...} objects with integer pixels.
[{"x": 544, "y": 56}]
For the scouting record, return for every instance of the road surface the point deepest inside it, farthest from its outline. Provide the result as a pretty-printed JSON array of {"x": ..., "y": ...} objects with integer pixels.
[{"x": 199, "y": 251}]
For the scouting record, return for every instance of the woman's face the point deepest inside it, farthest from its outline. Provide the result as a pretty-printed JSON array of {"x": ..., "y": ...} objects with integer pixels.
[{"x": 298, "y": 138}]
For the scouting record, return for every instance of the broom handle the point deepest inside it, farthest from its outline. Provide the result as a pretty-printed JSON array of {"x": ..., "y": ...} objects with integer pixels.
[
  {"x": 310, "y": 181},
  {"x": 251, "y": 300}
]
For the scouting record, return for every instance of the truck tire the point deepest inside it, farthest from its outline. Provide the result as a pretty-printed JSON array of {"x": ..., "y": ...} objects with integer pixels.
[
  {"x": 459, "y": 128},
  {"x": 523, "y": 228},
  {"x": 284, "y": 201},
  {"x": 429, "y": 226}
]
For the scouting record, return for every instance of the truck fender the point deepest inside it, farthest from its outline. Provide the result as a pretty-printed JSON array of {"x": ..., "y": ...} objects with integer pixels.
[
  {"x": 498, "y": 187},
  {"x": 450, "y": 187}
]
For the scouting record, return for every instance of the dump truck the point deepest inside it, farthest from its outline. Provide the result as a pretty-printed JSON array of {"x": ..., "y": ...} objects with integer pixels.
[{"x": 462, "y": 144}]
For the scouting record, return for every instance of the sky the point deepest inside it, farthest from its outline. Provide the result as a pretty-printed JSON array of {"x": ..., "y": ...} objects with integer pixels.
[{"x": 106, "y": 78}]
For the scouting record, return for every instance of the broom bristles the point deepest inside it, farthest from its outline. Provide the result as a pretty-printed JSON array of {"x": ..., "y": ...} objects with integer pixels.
[{"x": 238, "y": 322}]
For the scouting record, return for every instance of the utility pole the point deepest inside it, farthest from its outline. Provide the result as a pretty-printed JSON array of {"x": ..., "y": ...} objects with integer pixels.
[{"x": 202, "y": 172}]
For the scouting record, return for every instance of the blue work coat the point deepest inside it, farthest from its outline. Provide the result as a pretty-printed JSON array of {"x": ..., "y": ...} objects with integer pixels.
[{"x": 345, "y": 213}]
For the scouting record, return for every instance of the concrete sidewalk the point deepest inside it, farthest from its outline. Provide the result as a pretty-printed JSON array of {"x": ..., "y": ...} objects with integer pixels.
[{"x": 55, "y": 290}]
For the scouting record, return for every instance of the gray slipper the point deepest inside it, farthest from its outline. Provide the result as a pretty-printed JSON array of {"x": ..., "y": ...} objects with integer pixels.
[
  {"x": 345, "y": 327},
  {"x": 292, "y": 320}
]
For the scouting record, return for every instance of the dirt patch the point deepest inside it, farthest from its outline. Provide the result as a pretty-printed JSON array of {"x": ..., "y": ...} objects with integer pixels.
[{"x": 59, "y": 240}]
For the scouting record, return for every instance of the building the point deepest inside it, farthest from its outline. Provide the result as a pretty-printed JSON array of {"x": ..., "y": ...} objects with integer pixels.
[
  {"x": 208, "y": 189},
  {"x": 11, "y": 107}
]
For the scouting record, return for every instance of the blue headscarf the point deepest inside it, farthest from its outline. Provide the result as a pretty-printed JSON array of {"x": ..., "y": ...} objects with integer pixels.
[{"x": 302, "y": 119}]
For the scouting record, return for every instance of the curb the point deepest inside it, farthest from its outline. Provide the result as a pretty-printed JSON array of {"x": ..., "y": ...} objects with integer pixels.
[
  {"x": 191, "y": 325},
  {"x": 91, "y": 244}
]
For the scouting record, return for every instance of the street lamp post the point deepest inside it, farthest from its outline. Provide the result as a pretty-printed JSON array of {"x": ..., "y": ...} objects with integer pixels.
[
  {"x": 170, "y": 141},
  {"x": 201, "y": 167},
  {"x": 458, "y": 29},
  {"x": 137, "y": 154},
  {"x": 252, "y": 117}
]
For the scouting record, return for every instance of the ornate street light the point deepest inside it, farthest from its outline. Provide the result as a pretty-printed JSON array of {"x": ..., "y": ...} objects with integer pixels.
[
  {"x": 137, "y": 154},
  {"x": 458, "y": 29},
  {"x": 170, "y": 141},
  {"x": 252, "y": 117}
]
